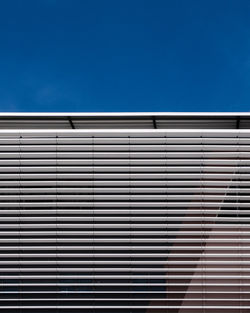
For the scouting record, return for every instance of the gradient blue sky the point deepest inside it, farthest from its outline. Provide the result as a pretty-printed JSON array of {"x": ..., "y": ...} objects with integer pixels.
[{"x": 132, "y": 55}]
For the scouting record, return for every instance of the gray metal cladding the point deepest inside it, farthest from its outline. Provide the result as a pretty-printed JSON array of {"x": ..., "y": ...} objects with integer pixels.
[
  {"x": 131, "y": 221},
  {"x": 89, "y": 121}
]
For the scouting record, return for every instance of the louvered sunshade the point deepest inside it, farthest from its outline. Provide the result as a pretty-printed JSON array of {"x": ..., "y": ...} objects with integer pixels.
[{"x": 128, "y": 221}]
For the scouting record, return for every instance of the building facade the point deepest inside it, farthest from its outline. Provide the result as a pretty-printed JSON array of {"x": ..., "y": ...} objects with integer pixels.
[{"x": 128, "y": 213}]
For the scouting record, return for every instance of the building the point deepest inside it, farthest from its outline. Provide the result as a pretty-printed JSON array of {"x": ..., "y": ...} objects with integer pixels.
[{"x": 128, "y": 213}]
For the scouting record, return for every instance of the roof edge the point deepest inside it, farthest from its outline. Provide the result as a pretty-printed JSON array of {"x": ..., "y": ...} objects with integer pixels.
[{"x": 117, "y": 114}]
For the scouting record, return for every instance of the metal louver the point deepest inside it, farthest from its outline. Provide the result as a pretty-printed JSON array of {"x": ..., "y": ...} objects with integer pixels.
[{"x": 129, "y": 221}]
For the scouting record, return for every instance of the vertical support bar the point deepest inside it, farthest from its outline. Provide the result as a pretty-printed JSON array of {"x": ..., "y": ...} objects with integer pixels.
[
  {"x": 71, "y": 122},
  {"x": 237, "y": 122},
  {"x": 154, "y": 122}
]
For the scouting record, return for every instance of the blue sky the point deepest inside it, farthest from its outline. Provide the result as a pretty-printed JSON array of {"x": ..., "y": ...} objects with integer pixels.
[{"x": 133, "y": 55}]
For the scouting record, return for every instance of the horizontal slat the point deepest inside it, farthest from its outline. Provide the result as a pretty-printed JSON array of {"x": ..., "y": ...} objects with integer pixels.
[
  {"x": 203, "y": 292},
  {"x": 140, "y": 140},
  {"x": 133, "y": 183},
  {"x": 168, "y": 232},
  {"x": 199, "y": 226},
  {"x": 221, "y": 241},
  {"x": 112, "y": 213},
  {"x": 150, "y": 170},
  {"x": 114, "y": 155},
  {"x": 146, "y": 197},
  {"x": 125, "y": 284},
  {"x": 62, "y": 220},
  {"x": 56, "y": 307},
  {"x": 126, "y": 299},
  {"x": 128, "y": 176},
  {"x": 207, "y": 162},
  {"x": 119, "y": 262},
  {"x": 129, "y": 269},
  {"x": 124, "y": 190},
  {"x": 131, "y": 204},
  {"x": 120, "y": 255},
  {"x": 129, "y": 147},
  {"x": 127, "y": 277},
  {"x": 94, "y": 248}
]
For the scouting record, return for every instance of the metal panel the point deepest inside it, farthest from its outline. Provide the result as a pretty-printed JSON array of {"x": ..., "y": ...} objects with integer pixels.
[{"x": 125, "y": 220}]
